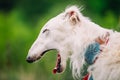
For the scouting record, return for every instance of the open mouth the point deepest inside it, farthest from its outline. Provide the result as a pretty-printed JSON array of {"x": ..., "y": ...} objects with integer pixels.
[{"x": 58, "y": 67}]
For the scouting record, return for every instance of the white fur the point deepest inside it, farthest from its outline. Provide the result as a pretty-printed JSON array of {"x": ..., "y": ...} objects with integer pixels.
[
  {"x": 107, "y": 67},
  {"x": 70, "y": 35}
]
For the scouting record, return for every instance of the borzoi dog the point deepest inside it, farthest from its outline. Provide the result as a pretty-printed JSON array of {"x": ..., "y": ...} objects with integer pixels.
[{"x": 70, "y": 33}]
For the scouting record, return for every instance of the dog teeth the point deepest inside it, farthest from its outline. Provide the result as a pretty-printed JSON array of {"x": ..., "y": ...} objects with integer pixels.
[{"x": 58, "y": 68}]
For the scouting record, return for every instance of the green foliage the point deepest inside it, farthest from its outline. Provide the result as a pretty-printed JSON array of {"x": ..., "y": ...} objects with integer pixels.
[{"x": 20, "y": 24}]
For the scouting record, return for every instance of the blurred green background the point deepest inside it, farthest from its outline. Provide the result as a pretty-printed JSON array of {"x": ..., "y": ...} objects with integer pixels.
[{"x": 20, "y": 24}]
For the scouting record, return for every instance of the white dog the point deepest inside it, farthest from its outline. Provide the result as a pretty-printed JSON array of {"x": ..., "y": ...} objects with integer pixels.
[{"x": 70, "y": 33}]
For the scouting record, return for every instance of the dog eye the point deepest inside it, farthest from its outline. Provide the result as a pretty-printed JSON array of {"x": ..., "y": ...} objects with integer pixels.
[{"x": 45, "y": 30}]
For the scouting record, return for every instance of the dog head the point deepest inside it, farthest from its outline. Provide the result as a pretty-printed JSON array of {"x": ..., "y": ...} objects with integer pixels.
[{"x": 56, "y": 34}]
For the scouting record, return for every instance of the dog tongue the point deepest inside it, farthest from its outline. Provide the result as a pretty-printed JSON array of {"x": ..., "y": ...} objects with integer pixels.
[
  {"x": 54, "y": 71},
  {"x": 58, "y": 66}
]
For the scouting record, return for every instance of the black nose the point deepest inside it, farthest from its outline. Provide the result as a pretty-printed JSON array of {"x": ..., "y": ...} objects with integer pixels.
[{"x": 30, "y": 60}]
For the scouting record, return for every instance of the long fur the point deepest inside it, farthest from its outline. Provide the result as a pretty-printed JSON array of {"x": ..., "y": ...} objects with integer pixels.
[
  {"x": 86, "y": 33},
  {"x": 107, "y": 67},
  {"x": 70, "y": 33}
]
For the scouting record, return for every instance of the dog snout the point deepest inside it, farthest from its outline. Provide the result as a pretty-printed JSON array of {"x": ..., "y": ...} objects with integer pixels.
[{"x": 30, "y": 60}]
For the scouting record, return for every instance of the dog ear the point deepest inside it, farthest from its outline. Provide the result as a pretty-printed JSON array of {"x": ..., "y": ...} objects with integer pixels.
[{"x": 72, "y": 14}]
